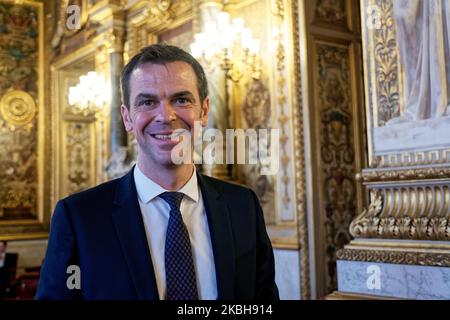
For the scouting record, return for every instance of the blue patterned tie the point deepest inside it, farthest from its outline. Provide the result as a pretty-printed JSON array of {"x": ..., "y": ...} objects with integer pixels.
[{"x": 180, "y": 272}]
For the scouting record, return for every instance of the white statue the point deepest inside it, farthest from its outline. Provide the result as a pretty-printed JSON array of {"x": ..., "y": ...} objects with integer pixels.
[{"x": 423, "y": 36}]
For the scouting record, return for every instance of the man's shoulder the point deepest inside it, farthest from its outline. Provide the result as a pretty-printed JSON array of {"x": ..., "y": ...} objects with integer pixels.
[
  {"x": 227, "y": 187},
  {"x": 101, "y": 191}
]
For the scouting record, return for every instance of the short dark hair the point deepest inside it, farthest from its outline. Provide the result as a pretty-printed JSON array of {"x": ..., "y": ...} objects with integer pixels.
[{"x": 162, "y": 54}]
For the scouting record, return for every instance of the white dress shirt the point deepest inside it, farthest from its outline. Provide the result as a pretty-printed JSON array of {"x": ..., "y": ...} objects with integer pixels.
[{"x": 155, "y": 213}]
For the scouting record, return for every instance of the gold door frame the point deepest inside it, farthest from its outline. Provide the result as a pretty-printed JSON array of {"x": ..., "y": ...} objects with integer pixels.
[{"x": 61, "y": 120}]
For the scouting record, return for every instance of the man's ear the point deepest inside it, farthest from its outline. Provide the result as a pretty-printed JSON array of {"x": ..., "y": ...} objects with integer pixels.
[
  {"x": 204, "y": 112},
  {"x": 126, "y": 118}
]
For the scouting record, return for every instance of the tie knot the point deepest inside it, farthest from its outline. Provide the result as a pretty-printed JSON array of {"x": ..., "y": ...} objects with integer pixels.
[{"x": 173, "y": 199}]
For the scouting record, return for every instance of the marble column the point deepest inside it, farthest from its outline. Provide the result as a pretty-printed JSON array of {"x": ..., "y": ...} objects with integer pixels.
[
  {"x": 111, "y": 21},
  {"x": 117, "y": 130}
]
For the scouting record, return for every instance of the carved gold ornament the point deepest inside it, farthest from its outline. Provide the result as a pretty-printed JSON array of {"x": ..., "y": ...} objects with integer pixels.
[
  {"x": 404, "y": 174},
  {"x": 396, "y": 257},
  {"x": 17, "y": 108},
  {"x": 419, "y": 212}
]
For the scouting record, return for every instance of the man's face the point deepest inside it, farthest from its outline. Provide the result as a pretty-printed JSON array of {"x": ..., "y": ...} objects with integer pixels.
[{"x": 163, "y": 98}]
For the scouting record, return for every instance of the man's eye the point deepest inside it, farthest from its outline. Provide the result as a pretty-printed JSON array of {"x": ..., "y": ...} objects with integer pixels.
[
  {"x": 182, "y": 101},
  {"x": 147, "y": 103}
]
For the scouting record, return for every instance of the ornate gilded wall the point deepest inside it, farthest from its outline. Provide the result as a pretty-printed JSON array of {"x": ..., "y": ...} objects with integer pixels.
[
  {"x": 406, "y": 221},
  {"x": 21, "y": 118},
  {"x": 308, "y": 88},
  {"x": 83, "y": 140},
  {"x": 407, "y": 175},
  {"x": 333, "y": 106},
  {"x": 383, "y": 65},
  {"x": 336, "y": 148},
  {"x": 274, "y": 99}
]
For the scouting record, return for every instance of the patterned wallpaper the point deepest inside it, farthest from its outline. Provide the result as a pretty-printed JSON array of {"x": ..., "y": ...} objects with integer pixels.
[{"x": 18, "y": 113}]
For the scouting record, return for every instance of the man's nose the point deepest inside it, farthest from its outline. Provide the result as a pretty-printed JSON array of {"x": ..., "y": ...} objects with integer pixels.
[{"x": 166, "y": 112}]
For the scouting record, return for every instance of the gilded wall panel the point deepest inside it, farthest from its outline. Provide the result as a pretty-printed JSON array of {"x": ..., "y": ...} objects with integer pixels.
[
  {"x": 386, "y": 66},
  {"x": 332, "y": 12},
  {"x": 148, "y": 19},
  {"x": 78, "y": 140},
  {"x": 78, "y": 147},
  {"x": 337, "y": 156},
  {"x": 21, "y": 118},
  {"x": 181, "y": 36},
  {"x": 256, "y": 109},
  {"x": 257, "y": 114},
  {"x": 331, "y": 104}
]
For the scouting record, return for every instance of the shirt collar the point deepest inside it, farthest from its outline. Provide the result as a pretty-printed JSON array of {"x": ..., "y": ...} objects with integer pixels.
[{"x": 147, "y": 189}]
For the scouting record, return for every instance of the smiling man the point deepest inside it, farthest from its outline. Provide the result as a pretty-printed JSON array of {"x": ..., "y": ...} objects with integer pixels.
[{"x": 163, "y": 231}]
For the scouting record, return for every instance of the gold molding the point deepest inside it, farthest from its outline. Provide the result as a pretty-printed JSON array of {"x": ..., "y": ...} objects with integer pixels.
[
  {"x": 147, "y": 19},
  {"x": 280, "y": 53},
  {"x": 371, "y": 175},
  {"x": 418, "y": 158},
  {"x": 299, "y": 161},
  {"x": 103, "y": 10},
  {"x": 399, "y": 245},
  {"x": 406, "y": 211},
  {"x": 336, "y": 295},
  {"x": 282, "y": 244},
  {"x": 20, "y": 236},
  {"x": 396, "y": 257}
]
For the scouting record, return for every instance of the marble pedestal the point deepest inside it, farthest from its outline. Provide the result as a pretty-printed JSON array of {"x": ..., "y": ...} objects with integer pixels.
[
  {"x": 395, "y": 269},
  {"x": 395, "y": 280}
]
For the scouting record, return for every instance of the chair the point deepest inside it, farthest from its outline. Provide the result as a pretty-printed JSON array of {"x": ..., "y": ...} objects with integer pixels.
[{"x": 8, "y": 273}]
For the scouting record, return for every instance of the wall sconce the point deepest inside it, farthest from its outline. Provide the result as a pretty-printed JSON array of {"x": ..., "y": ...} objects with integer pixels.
[
  {"x": 229, "y": 45},
  {"x": 90, "y": 94}
]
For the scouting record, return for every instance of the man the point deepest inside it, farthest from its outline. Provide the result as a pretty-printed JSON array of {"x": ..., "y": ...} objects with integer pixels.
[
  {"x": 163, "y": 231},
  {"x": 8, "y": 264}
]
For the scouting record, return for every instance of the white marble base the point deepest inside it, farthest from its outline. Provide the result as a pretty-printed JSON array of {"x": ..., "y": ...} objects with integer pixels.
[
  {"x": 412, "y": 136},
  {"x": 395, "y": 280},
  {"x": 287, "y": 273}
]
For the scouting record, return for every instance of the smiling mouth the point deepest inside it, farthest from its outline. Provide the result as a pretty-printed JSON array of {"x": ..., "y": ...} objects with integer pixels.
[{"x": 171, "y": 136}]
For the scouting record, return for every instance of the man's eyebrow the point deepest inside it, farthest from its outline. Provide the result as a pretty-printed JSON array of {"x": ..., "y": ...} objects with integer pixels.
[
  {"x": 145, "y": 96},
  {"x": 182, "y": 94}
]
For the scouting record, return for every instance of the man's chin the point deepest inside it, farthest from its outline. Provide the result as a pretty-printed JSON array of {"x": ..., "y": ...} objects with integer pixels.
[
  {"x": 169, "y": 163},
  {"x": 163, "y": 159}
]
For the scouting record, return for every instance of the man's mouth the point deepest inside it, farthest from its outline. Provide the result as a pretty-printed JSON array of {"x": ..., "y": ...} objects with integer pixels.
[{"x": 171, "y": 136}]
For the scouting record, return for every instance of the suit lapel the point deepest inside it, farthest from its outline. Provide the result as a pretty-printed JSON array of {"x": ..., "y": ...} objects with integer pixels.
[
  {"x": 130, "y": 230},
  {"x": 221, "y": 237}
]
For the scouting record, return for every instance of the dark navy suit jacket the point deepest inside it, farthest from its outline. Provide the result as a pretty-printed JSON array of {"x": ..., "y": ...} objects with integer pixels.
[{"x": 101, "y": 230}]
